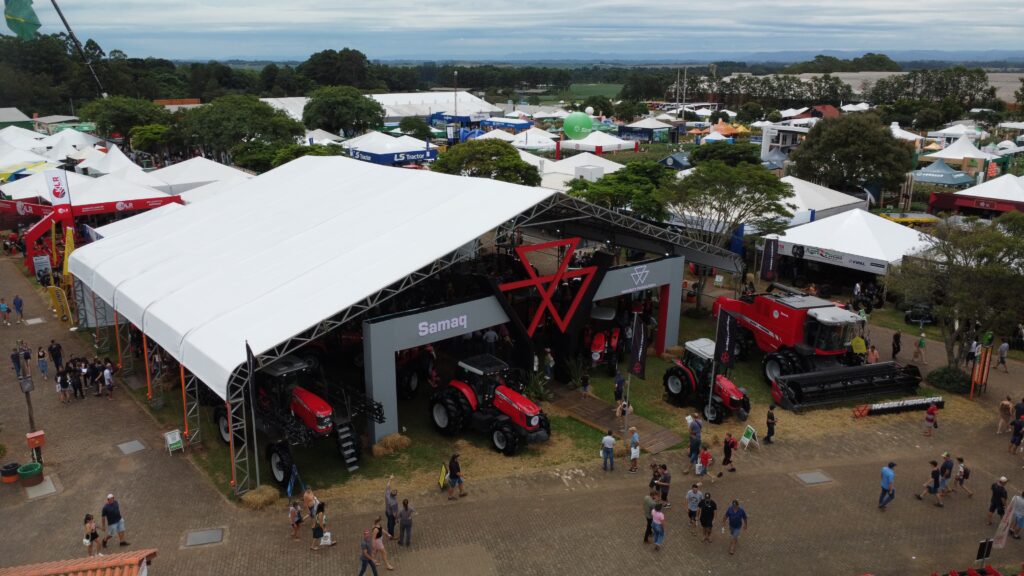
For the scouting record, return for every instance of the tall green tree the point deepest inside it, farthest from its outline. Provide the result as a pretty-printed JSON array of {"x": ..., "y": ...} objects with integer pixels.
[
  {"x": 150, "y": 137},
  {"x": 731, "y": 154},
  {"x": 342, "y": 110},
  {"x": 851, "y": 151},
  {"x": 117, "y": 115},
  {"x": 487, "y": 159},
  {"x": 639, "y": 187},
  {"x": 230, "y": 121},
  {"x": 602, "y": 105},
  {"x": 417, "y": 127},
  {"x": 345, "y": 67},
  {"x": 628, "y": 110},
  {"x": 293, "y": 151}
]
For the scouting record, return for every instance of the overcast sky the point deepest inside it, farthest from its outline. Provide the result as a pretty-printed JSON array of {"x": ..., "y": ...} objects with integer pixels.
[{"x": 437, "y": 29}]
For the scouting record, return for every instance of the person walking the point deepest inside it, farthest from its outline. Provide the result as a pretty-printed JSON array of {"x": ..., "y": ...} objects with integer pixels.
[
  {"x": 706, "y": 513},
  {"x": 728, "y": 446},
  {"x": 658, "y": 525},
  {"x": 19, "y": 307},
  {"x": 693, "y": 498},
  {"x": 64, "y": 386},
  {"x": 872, "y": 356},
  {"x": 888, "y": 485},
  {"x": 56, "y": 354},
  {"x": 42, "y": 364},
  {"x": 897, "y": 343},
  {"x": 620, "y": 387},
  {"x": 5, "y": 312},
  {"x": 1016, "y": 512},
  {"x": 16, "y": 362},
  {"x": 295, "y": 518},
  {"x": 318, "y": 526},
  {"x": 74, "y": 373},
  {"x": 945, "y": 473},
  {"x": 1004, "y": 350},
  {"x": 695, "y": 428},
  {"x": 932, "y": 485},
  {"x": 650, "y": 501},
  {"x": 998, "y": 502},
  {"x": 113, "y": 522},
  {"x": 107, "y": 375},
  {"x": 310, "y": 501},
  {"x": 1005, "y": 412},
  {"x": 770, "y": 424},
  {"x": 963, "y": 474},
  {"x": 585, "y": 384},
  {"x": 380, "y": 552},
  {"x": 90, "y": 535},
  {"x": 1016, "y": 435},
  {"x": 608, "y": 452},
  {"x": 455, "y": 477},
  {"x": 931, "y": 421},
  {"x": 736, "y": 517},
  {"x": 664, "y": 484},
  {"x": 391, "y": 506},
  {"x": 366, "y": 555},
  {"x": 405, "y": 523},
  {"x": 634, "y": 450},
  {"x": 26, "y": 357},
  {"x": 919, "y": 350}
]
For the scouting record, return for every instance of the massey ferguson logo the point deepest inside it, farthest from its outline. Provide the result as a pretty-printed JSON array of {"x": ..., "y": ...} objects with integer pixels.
[
  {"x": 56, "y": 188},
  {"x": 639, "y": 275}
]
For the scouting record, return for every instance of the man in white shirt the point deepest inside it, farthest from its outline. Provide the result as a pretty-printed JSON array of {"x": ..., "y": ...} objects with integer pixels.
[{"x": 608, "y": 452}]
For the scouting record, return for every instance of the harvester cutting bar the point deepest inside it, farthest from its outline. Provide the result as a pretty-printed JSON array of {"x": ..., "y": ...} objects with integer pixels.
[{"x": 800, "y": 391}]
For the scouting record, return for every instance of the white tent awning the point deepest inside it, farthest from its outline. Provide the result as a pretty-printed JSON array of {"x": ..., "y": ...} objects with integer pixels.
[
  {"x": 196, "y": 172},
  {"x": 595, "y": 140}
]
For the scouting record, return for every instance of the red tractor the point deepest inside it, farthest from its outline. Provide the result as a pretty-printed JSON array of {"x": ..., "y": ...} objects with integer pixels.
[
  {"x": 480, "y": 397},
  {"x": 688, "y": 382},
  {"x": 607, "y": 347},
  {"x": 808, "y": 354}
]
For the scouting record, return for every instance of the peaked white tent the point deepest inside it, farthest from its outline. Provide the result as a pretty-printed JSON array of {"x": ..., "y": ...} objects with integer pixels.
[
  {"x": 569, "y": 165},
  {"x": 110, "y": 188},
  {"x": 112, "y": 161},
  {"x": 704, "y": 112},
  {"x": 962, "y": 149},
  {"x": 86, "y": 153},
  {"x": 902, "y": 134},
  {"x": 855, "y": 239},
  {"x": 594, "y": 140},
  {"x": 959, "y": 131},
  {"x": 531, "y": 159},
  {"x": 37, "y": 186},
  {"x": 64, "y": 143},
  {"x": 813, "y": 202},
  {"x": 533, "y": 131},
  {"x": 207, "y": 191},
  {"x": 132, "y": 222},
  {"x": 497, "y": 135},
  {"x": 320, "y": 136},
  {"x": 714, "y": 137},
  {"x": 9, "y": 156},
  {"x": 861, "y": 107},
  {"x": 527, "y": 140},
  {"x": 1006, "y": 187},
  {"x": 139, "y": 176},
  {"x": 20, "y": 138},
  {"x": 649, "y": 124},
  {"x": 667, "y": 118},
  {"x": 196, "y": 172},
  {"x": 790, "y": 112}
]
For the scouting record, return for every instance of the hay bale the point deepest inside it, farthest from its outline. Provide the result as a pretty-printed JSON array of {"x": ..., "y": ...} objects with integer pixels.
[
  {"x": 261, "y": 497},
  {"x": 390, "y": 444}
]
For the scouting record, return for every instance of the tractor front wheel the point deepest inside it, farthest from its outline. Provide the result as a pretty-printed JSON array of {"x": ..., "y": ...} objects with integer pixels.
[
  {"x": 774, "y": 366},
  {"x": 446, "y": 412},
  {"x": 504, "y": 439},
  {"x": 280, "y": 458},
  {"x": 678, "y": 384},
  {"x": 712, "y": 413}
]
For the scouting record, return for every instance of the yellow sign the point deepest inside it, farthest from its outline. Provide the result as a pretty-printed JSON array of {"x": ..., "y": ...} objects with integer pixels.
[
  {"x": 59, "y": 301},
  {"x": 442, "y": 480},
  {"x": 859, "y": 346},
  {"x": 69, "y": 247}
]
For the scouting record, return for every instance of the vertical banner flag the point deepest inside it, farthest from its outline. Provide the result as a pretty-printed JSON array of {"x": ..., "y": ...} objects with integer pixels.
[
  {"x": 638, "y": 351},
  {"x": 69, "y": 247},
  {"x": 57, "y": 187},
  {"x": 769, "y": 259},
  {"x": 725, "y": 339}
]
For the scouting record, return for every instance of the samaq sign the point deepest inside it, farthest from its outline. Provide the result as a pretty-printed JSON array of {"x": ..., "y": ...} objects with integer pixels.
[{"x": 445, "y": 325}]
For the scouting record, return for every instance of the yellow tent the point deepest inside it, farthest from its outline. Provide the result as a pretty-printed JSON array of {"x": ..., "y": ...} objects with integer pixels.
[
  {"x": 23, "y": 167},
  {"x": 741, "y": 129}
]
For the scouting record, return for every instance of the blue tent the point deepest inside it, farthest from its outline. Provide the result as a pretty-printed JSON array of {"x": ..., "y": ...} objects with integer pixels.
[
  {"x": 676, "y": 161},
  {"x": 939, "y": 172}
]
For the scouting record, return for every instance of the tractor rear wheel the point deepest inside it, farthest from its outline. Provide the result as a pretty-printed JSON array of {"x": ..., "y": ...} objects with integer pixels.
[
  {"x": 280, "y": 458},
  {"x": 447, "y": 411},
  {"x": 712, "y": 413},
  {"x": 504, "y": 439},
  {"x": 409, "y": 384},
  {"x": 774, "y": 365},
  {"x": 678, "y": 384},
  {"x": 220, "y": 418}
]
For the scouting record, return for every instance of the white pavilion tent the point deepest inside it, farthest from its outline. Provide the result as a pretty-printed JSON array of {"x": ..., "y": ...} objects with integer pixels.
[
  {"x": 594, "y": 140},
  {"x": 962, "y": 149},
  {"x": 9, "y": 156},
  {"x": 527, "y": 140},
  {"x": 1007, "y": 187},
  {"x": 64, "y": 143},
  {"x": 21, "y": 138},
  {"x": 37, "y": 186},
  {"x": 112, "y": 161},
  {"x": 812, "y": 202},
  {"x": 196, "y": 172},
  {"x": 206, "y": 191},
  {"x": 902, "y": 134},
  {"x": 110, "y": 188},
  {"x": 649, "y": 124},
  {"x": 496, "y": 135},
  {"x": 854, "y": 239},
  {"x": 569, "y": 165}
]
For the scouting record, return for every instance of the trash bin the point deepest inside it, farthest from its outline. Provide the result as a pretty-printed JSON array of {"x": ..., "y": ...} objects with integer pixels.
[
  {"x": 9, "y": 473},
  {"x": 30, "y": 474}
]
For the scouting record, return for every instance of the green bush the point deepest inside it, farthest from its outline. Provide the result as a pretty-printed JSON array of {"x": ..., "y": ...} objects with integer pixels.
[
  {"x": 697, "y": 313},
  {"x": 536, "y": 388},
  {"x": 950, "y": 379},
  {"x": 576, "y": 368}
]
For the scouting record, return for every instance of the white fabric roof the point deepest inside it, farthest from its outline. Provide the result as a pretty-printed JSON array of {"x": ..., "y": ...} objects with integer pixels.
[
  {"x": 509, "y": 121},
  {"x": 862, "y": 107},
  {"x": 36, "y": 186},
  {"x": 1010, "y": 125},
  {"x": 196, "y": 172},
  {"x": 86, "y": 153},
  {"x": 760, "y": 124},
  {"x": 1006, "y": 144},
  {"x": 531, "y": 159},
  {"x": 110, "y": 188},
  {"x": 1006, "y": 187},
  {"x": 650, "y": 124},
  {"x": 377, "y": 143},
  {"x": 809, "y": 196},
  {"x": 569, "y": 165},
  {"x": 715, "y": 137},
  {"x": 201, "y": 289},
  {"x": 553, "y": 113},
  {"x": 21, "y": 138},
  {"x": 854, "y": 239},
  {"x": 790, "y": 112},
  {"x": 319, "y": 135},
  {"x": 112, "y": 161},
  {"x": 207, "y": 191},
  {"x": 292, "y": 106},
  {"x": 667, "y": 118},
  {"x": 9, "y": 156},
  {"x": 958, "y": 131},
  {"x": 704, "y": 112},
  {"x": 497, "y": 135},
  {"x": 962, "y": 148},
  {"x": 530, "y": 141},
  {"x": 402, "y": 104},
  {"x": 64, "y": 143},
  {"x": 137, "y": 175},
  {"x": 139, "y": 219},
  {"x": 607, "y": 142},
  {"x": 902, "y": 134}
]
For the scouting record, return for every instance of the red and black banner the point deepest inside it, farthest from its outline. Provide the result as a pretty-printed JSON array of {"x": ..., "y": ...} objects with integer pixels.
[
  {"x": 770, "y": 260},
  {"x": 638, "y": 348},
  {"x": 725, "y": 339}
]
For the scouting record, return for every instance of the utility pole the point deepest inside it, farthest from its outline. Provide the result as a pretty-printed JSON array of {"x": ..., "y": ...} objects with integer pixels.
[{"x": 27, "y": 386}]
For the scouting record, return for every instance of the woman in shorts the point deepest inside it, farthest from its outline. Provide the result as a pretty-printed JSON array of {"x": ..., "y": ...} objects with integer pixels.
[{"x": 91, "y": 535}]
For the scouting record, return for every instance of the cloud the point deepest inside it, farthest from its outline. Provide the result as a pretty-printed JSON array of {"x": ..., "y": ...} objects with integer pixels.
[{"x": 492, "y": 28}]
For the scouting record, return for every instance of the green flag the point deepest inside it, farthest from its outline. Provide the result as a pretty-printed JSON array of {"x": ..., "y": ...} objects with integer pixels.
[{"x": 21, "y": 18}]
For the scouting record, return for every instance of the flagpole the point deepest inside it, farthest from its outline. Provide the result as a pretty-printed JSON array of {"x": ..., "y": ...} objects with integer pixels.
[{"x": 78, "y": 45}]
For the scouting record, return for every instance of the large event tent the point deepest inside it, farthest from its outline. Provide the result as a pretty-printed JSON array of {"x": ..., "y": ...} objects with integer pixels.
[
  {"x": 1007, "y": 187},
  {"x": 496, "y": 135},
  {"x": 570, "y": 164},
  {"x": 111, "y": 189},
  {"x": 36, "y": 186},
  {"x": 195, "y": 172},
  {"x": 112, "y": 161},
  {"x": 959, "y": 131},
  {"x": 9, "y": 156},
  {"x": 939, "y": 172},
  {"x": 528, "y": 140},
  {"x": 902, "y": 134},
  {"x": 383, "y": 149},
  {"x": 207, "y": 191},
  {"x": 125, "y": 224},
  {"x": 855, "y": 239},
  {"x": 64, "y": 143},
  {"x": 599, "y": 142},
  {"x": 20, "y": 138},
  {"x": 962, "y": 149},
  {"x": 813, "y": 202}
]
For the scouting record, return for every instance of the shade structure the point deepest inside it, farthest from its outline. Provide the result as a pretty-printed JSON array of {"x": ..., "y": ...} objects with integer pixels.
[
  {"x": 112, "y": 161},
  {"x": 855, "y": 239},
  {"x": 861, "y": 107},
  {"x": 206, "y": 191},
  {"x": 132, "y": 222},
  {"x": 939, "y": 172},
  {"x": 195, "y": 172},
  {"x": 383, "y": 149},
  {"x": 139, "y": 176},
  {"x": 959, "y": 131},
  {"x": 528, "y": 140},
  {"x": 87, "y": 153},
  {"x": 36, "y": 186},
  {"x": 704, "y": 112},
  {"x": 497, "y": 135},
  {"x": 20, "y": 138},
  {"x": 9, "y": 156},
  {"x": 1007, "y": 188},
  {"x": 715, "y": 137},
  {"x": 111, "y": 189},
  {"x": 306, "y": 241},
  {"x": 962, "y": 149},
  {"x": 724, "y": 129},
  {"x": 649, "y": 124},
  {"x": 791, "y": 112},
  {"x": 812, "y": 202},
  {"x": 64, "y": 143},
  {"x": 319, "y": 136},
  {"x": 902, "y": 134},
  {"x": 667, "y": 118},
  {"x": 599, "y": 140},
  {"x": 569, "y": 165}
]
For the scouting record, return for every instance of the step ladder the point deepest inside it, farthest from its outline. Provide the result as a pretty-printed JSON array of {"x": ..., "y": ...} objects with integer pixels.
[{"x": 347, "y": 442}]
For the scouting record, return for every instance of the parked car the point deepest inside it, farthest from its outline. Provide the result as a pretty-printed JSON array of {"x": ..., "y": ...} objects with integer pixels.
[{"x": 919, "y": 314}]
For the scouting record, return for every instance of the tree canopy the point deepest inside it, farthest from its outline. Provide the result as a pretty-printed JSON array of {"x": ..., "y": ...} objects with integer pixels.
[
  {"x": 342, "y": 110},
  {"x": 417, "y": 127},
  {"x": 232, "y": 120},
  {"x": 487, "y": 159},
  {"x": 117, "y": 115},
  {"x": 851, "y": 151},
  {"x": 731, "y": 154},
  {"x": 639, "y": 187}
]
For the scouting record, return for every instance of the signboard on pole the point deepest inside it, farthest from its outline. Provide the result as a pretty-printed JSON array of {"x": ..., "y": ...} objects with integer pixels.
[
  {"x": 749, "y": 435},
  {"x": 725, "y": 339},
  {"x": 57, "y": 187},
  {"x": 638, "y": 348},
  {"x": 770, "y": 259},
  {"x": 42, "y": 264}
]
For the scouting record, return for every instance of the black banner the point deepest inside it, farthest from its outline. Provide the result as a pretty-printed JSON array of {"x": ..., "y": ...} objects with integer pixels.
[
  {"x": 638, "y": 348},
  {"x": 725, "y": 339},
  {"x": 770, "y": 260}
]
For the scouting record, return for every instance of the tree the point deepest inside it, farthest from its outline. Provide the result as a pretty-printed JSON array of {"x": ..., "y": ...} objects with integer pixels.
[
  {"x": 852, "y": 151},
  {"x": 345, "y": 67},
  {"x": 255, "y": 155},
  {"x": 602, "y": 105},
  {"x": 293, "y": 151},
  {"x": 150, "y": 137},
  {"x": 117, "y": 115},
  {"x": 416, "y": 126},
  {"x": 342, "y": 110},
  {"x": 972, "y": 273},
  {"x": 627, "y": 110},
  {"x": 927, "y": 118},
  {"x": 749, "y": 112},
  {"x": 774, "y": 116},
  {"x": 716, "y": 199},
  {"x": 533, "y": 100},
  {"x": 639, "y": 187},
  {"x": 487, "y": 159},
  {"x": 230, "y": 121},
  {"x": 1018, "y": 94},
  {"x": 731, "y": 154}
]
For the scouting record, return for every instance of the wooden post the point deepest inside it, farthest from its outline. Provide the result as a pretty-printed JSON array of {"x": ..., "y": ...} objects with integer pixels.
[{"x": 145, "y": 359}]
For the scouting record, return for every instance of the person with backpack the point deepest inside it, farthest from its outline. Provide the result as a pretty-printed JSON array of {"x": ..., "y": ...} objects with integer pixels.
[
  {"x": 728, "y": 446},
  {"x": 963, "y": 474}
]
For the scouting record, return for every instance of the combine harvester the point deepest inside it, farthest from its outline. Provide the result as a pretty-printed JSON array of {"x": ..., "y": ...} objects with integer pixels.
[{"x": 807, "y": 344}]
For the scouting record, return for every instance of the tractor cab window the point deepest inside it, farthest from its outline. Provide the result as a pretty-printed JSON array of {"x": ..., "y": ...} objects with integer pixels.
[
  {"x": 829, "y": 337},
  {"x": 700, "y": 365}
]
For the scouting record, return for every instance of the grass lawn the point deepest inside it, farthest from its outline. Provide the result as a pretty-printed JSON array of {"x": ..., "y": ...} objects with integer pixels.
[
  {"x": 584, "y": 91},
  {"x": 892, "y": 318}
]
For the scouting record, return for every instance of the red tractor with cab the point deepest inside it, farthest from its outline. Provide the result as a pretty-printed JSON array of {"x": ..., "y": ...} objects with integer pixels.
[
  {"x": 688, "y": 383},
  {"x": 482, "y": 397},
  {"x": 807, "y": 343}
]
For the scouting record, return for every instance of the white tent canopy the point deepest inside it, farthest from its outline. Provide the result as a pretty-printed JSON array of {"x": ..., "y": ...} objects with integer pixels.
[
  {"x": 64, "y": 143},
  {"x": 650, "y": 124},
  {"x": 196, "y": 172},
  {"x": 37, "y": 186},
  {"x": 532, "y": 159},
  {"x": 112, "y": 161},
  {"x": 132, "y": 222},
  {"x": 20, "y": 138},
  {"x": 824, "y": 202},
  {"x": 790, "y": 112},
  {"x": 961, "y": 149},
  {"x": 569, "y": 165},
  {"x": 902, "y": 134},
  {"x": 862, "y": 107},
  {"x": 715, "y": 137},
  {"x": 1006, "y": 187},
  {"x": 497, "y": 135},
  {"x": 959, "y": 131},
  {"x": 9, "y": 156},
  {"x": 595, "y": 140},
  {"x": 110, "y": 188},
  {"x": 201, "y": 289},
  {"x": 855, "y": 239},
  {"x": 206, "y": 191},
  {"x": 527, "y": 140},
  {"x": 321, "y": 136},
  {"x": 377, "y": 143},
  {"x": 139, "y": 177}
]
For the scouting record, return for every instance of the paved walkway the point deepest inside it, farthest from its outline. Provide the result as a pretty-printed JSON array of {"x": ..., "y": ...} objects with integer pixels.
[
  {"x": 571, "y": 520},
  {"x": 601, "y": 415}
]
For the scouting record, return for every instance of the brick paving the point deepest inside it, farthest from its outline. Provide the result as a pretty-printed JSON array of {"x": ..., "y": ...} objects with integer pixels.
[{"x": 572, "y": 520}]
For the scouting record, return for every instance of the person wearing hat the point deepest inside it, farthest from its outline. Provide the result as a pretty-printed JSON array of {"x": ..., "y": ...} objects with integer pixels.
[
  {"x": 888, "y": 485},
  {"x": 113, "y": 522},
  {"x": 919, "y": 350},
  {"x": 391, "y": 506},
  {"x": 999, "y": 495},
  {"x": 366, "y": 555},
  {"x": 455, "y": 477},
  {"x": 945, "y": 473},
  {"x": 634, "y": 450}
]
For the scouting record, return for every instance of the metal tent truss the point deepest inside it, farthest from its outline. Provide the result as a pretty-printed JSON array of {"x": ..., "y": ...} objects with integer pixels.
[{"x": 190, "y": 391}]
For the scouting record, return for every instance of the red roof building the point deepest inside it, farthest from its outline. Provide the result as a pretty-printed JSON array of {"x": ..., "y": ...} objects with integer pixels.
[{"x": 123, "y": 564}]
